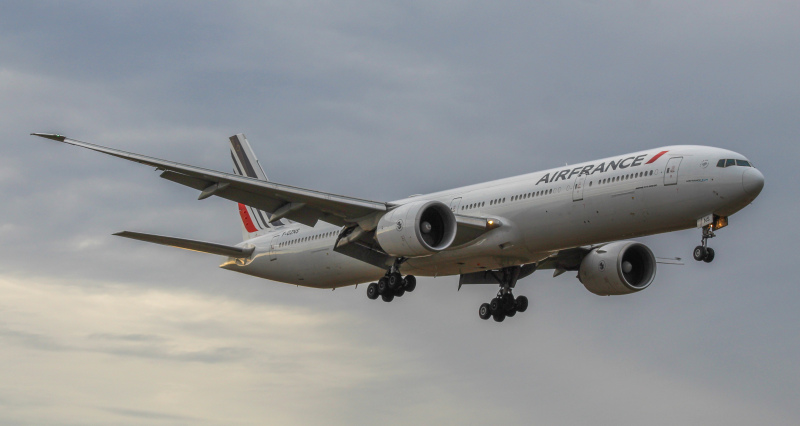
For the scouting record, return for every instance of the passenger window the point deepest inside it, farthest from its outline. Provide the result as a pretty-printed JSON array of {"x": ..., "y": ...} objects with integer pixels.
[{"x": 730, "y": 162}]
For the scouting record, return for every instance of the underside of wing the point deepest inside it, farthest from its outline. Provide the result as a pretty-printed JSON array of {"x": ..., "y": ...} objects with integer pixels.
[{"x": 302, "y": 205}]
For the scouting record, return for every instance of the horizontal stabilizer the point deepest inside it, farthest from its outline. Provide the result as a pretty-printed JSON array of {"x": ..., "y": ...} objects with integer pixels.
[{"x": 201, "y": 246}]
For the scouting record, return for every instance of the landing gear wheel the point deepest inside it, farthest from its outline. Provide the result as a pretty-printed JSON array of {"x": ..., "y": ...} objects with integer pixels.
[
  {"x": 395, "y": 281},
  {"x": 496, "y": 305},
  {"x": 709, "y": 255},
  {"x": 383, "y": 286},
  {"x": 699, "y": 253},
  {"x": 485, "y": 311},
  {"x": 410, "y": 283},
  {"x": 372, "y": 291},
  {"x": 508, "y": 301},
  {"x": 393, "y": 284},
  {"x": 505, "y": 304},
  {"x": 522, "y": 303}
]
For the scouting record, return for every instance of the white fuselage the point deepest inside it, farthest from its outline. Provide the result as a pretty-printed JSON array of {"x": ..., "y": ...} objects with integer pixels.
[{"x": 643, "y": 193}]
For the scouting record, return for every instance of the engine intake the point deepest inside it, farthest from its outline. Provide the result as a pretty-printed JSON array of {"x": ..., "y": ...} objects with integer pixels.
[
  {"x": 618, "y": 268},
  {"x": 420, "y": 228}
]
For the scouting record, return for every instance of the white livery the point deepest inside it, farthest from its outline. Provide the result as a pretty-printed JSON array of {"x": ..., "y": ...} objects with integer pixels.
[{"x": 570, "y": 218}]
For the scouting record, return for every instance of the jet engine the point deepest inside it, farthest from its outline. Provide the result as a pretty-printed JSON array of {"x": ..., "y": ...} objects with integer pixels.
[
  {"x": 420, "y": 228},
  {"x": 622, "y": 267}
]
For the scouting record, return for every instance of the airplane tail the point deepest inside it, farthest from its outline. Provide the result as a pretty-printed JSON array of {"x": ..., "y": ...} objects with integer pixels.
[{"x": 255, "y": 222}]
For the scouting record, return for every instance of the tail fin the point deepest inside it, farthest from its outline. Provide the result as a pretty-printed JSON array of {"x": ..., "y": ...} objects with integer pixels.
[{"x": 254, "y": 222}]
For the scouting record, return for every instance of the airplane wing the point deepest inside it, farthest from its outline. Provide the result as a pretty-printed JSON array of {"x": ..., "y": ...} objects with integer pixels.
[
  {"x": 301, "y": 205},
  {"x": 298, "y": 204},
  {"x": 560, "y": 262}
]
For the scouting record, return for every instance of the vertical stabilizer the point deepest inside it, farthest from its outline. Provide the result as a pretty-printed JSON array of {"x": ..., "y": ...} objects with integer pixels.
[{"x": 255, "y": 222}]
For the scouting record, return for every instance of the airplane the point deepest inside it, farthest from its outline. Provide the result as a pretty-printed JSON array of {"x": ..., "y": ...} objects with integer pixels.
[{"x": 575, "y": 218}]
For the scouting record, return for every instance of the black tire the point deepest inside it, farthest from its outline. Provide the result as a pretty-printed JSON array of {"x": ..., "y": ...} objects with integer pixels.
[
  {"x": 410, "y": 283},
  {"x": 709, "y": 255},
  {"x": 522, "y": 303},
  {"x": 496, "y": 305},
  {"x": 499, "y": 317},
  {"x": 508, "y": 302},
  {"x": 372, "y": 291},
  {"x": 400, "y": 292},
  {"x": 511, "y": 312},
  {"x": 485, "y": 311},
  {"x": 383, "y": 286},
  {"x": 387, "y": 297},
  {"x": 699, "y": 253},
  {"x": 395, "y": 281}
]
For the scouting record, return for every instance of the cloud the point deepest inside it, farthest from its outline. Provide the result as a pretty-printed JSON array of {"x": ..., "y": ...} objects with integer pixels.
[
  {"x": 381, "y": 101},
  {"x": 167, "y": 356}
]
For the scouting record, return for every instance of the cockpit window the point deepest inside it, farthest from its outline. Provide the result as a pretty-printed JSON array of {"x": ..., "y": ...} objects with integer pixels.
[{"x": 731, "y": 162}]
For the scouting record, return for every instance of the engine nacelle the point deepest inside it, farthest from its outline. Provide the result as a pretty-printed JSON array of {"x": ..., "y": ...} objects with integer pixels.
[
  {"x": 623, "y": 267},
  {"x": 420, "y": 228}
]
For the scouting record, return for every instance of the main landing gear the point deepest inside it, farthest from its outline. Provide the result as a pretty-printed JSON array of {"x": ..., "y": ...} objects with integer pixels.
[
  {"x": 505, "y": 304},
  {"x": 392, "y": 284},
  {"x": 703, "y": 252}
]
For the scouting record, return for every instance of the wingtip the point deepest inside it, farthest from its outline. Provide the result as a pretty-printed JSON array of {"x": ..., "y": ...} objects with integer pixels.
[{"x": 54, "y": 137}]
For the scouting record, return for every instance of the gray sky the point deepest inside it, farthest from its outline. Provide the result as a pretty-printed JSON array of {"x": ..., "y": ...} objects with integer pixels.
[{"x": 382, "y": 100}]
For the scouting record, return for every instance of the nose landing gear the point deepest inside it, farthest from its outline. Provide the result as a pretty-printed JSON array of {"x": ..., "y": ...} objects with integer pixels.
[
  {"x": 703, "y": 252},
  {"x": 393, "y": 284},
  {"x": 504, "y": 304}
]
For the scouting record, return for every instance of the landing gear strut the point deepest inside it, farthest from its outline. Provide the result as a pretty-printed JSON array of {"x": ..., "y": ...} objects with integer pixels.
[
  {"x": 393, "y": 284},
  {"x": 504, "y": 304},
  {"x": 703, "y": 252}
]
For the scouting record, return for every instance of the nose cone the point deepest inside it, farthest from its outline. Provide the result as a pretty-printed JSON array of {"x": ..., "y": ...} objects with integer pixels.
[{"x": 752, "y": 181}]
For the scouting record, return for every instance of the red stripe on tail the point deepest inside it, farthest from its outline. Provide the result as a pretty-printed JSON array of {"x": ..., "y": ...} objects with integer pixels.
[
  {"x": 656, "y": 157},
  {"x": 248, "y": 222}
]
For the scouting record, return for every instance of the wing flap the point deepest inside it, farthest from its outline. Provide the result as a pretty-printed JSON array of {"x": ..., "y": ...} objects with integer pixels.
[{"x": 193, "y": 245}]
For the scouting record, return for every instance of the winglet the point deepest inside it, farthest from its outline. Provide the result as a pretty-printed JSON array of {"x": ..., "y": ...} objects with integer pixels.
[{"x": 50, "y": 136}]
